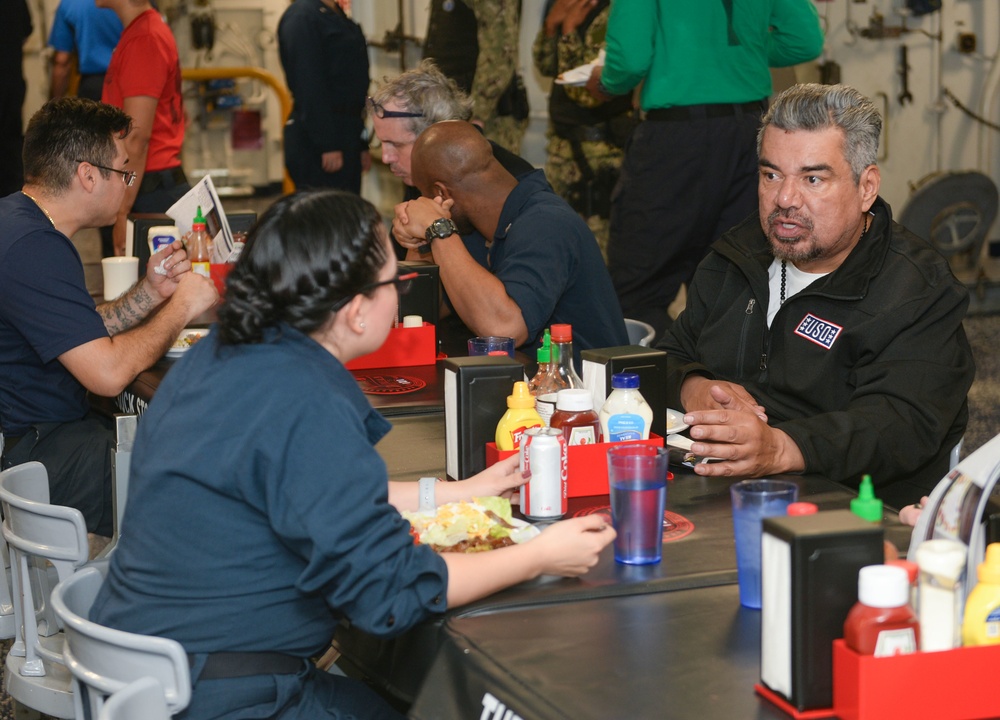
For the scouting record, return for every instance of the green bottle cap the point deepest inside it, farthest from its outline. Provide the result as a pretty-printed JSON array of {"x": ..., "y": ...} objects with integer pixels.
[
  {"x": 866, "y": 506},
  {"x": 544, "y": 352},
  {"x": 199, "y": 219}
]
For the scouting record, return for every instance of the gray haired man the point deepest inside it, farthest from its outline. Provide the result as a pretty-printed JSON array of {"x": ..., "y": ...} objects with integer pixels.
[{"x": 820, "y": 336}]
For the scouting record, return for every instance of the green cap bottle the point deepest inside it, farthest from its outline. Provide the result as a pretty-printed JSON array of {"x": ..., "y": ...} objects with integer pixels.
[{"x": 866, "y": 506}]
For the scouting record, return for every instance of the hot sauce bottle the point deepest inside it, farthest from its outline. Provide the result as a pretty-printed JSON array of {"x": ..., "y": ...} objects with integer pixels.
[
  {"x": 199, "y": 246},
  {"x": 882, "y": 622}
]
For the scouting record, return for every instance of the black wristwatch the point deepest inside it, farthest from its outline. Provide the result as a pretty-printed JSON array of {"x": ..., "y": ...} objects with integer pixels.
[{"x": 440, "y": 228}]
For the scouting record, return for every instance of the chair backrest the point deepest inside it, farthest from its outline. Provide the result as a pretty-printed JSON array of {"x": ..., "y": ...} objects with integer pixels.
[
  {"x": 37, "y": 534},
  {"x": 54, "y": 532},
  {"x": 106, "y": 660},
  {"x": 139, "y": 700},
  {"x": 639, "y": 332}
]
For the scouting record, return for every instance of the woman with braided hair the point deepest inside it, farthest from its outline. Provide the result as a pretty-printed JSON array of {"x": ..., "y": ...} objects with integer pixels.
[{"x": 259, "y": 512}]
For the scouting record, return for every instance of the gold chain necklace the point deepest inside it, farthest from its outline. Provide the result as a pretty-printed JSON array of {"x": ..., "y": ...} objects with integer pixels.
[{"x": 40, "y": 207}]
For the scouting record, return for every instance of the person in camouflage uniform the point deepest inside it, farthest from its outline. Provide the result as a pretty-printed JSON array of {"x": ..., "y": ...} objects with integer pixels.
[
  {"x": 585, "y": 138},
  {"x": 475, "y": 42}
]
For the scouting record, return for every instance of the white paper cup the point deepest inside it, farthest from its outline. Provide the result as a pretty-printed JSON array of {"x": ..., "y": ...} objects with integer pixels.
[
  {"x": 413, "y": 321},
  {"x": 120, "y": 273}
]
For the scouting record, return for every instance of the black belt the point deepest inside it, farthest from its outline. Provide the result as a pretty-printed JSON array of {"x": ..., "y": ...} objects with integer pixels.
[
  {"x": 225, "y": 665},
  {"x": 168, "y": 179},
  {"x": 699, "y": 112}
]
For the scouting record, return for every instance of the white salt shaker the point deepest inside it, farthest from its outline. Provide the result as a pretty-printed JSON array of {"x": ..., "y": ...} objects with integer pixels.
[{"x": 942, "y": 564}]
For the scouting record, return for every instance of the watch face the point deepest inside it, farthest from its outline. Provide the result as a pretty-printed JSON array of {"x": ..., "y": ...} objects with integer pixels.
[{"x": 440, "y": 228}]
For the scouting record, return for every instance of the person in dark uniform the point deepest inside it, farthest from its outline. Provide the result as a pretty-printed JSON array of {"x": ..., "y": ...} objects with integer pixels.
[
  {"x": 325, "y": 58},
  {"x": 475, "y": 43},
  {"x": 14, "y": 30}
]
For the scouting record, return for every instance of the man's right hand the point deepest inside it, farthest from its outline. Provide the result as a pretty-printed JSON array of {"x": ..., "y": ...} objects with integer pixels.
[{"x": 196, "y": 293}]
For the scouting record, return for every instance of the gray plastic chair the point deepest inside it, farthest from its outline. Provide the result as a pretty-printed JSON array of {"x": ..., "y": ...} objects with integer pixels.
[
  {"x": 106, "y": 660},
  {"x": 139, "y": 700},
  {"x": 38, "y": 533},
  {"x": 639, "y": 332}
]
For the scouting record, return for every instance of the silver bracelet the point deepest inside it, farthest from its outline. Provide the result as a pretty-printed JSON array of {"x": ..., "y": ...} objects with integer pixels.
[{"x": 426, "y": 489}]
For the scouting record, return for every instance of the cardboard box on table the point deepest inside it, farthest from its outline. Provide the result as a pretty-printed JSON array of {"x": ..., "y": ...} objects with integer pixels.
[{"x": 587, "y": 465}]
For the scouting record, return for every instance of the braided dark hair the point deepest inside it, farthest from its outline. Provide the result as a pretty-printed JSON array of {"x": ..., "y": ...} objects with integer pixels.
[{"x": 308, "y": 252}]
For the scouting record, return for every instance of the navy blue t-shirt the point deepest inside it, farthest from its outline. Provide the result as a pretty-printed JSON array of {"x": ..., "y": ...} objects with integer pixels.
[
  {"x": 258, "y": 509},
  {"x": 550, "y": 265},
  {"x": 45, "y": 310}
]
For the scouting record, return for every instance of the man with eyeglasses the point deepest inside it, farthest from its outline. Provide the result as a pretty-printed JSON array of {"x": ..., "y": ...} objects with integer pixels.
[
  {"x": 55, "y": 344},
  {"x": 144, "y": 80},
  {"x": 405, "y": 106},
  {"x": 325, "y": 57}
]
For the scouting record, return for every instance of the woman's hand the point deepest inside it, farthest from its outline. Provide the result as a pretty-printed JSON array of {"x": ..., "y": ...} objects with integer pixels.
[
  {"x": 571, "y": 547},
  {"x": 503, "y": 479}
]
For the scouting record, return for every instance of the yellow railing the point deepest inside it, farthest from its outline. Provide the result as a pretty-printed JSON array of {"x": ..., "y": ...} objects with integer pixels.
[{"x": 284, "y": 97}]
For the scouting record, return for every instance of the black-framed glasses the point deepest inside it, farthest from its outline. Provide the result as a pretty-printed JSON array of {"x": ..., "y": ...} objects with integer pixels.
[
  {"x": 403, "y": 284},
  {"x": 128, "y": 176},
  {"x": 381, "y": 113}
]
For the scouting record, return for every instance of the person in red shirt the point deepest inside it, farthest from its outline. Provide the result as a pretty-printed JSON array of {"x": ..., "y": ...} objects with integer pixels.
[{"x": 144, "y": 80}]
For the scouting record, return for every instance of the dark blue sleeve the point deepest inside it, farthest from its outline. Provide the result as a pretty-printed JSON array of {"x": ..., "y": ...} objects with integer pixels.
[
  {"x": 540, "y": 256},
  {"x": 329, "y": 503}
]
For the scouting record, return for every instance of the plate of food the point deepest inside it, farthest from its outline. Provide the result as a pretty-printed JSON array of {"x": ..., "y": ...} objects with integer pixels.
[
  {"x": 185, "y": 341},
  {"x": 675, "y": 422},
  {"x": 483, "y": 524}
]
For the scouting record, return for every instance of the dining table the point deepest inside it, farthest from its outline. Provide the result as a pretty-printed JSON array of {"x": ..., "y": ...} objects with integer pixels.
[
  {"x": 621, "y": 641},
  {"x": 685, "y": 627}
]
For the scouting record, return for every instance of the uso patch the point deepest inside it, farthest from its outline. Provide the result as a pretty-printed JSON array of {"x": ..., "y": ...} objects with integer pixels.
[{"x": 819, "y": 331}]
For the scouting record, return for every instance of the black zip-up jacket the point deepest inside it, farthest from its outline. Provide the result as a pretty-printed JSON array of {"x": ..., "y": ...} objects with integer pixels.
[{"x": 867, "y": 369}]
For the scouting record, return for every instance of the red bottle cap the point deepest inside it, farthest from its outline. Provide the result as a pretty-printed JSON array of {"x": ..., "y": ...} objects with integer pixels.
[
  {"x": 561, "y": 332},
  {"x": 802, "y": 508}
]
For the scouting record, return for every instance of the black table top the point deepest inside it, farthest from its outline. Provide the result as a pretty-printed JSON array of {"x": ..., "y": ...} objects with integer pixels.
[
  {"x": 703, "y": 559},
  {"x": 691, "y": 654}
]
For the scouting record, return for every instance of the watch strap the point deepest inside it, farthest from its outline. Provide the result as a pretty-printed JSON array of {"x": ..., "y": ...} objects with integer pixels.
[{"x": 426, "y": 494}]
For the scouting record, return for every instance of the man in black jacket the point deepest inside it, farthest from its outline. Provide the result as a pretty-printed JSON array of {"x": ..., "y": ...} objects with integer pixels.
[{"x": 820, "y": 336}]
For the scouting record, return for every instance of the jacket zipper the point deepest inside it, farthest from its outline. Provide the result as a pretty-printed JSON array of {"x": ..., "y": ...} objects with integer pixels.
[{"x": 747, "y": 316}]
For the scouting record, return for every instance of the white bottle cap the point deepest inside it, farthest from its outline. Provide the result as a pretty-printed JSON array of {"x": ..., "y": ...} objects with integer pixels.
[
  {"x": 943, "y": 558},
  {"x": 576, "y": 399},
  {"x": 883, "y": 586}
]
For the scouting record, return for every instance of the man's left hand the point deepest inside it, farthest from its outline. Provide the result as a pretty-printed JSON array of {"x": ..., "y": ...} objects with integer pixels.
[
  {"x": 746, "y": 445},
  {"x": 412, "y": 219}
]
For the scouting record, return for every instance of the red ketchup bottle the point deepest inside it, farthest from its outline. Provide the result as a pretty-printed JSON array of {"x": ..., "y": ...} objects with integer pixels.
[
  {"x": 575, "y": 416},
  {"x": 882, "y": 622}
]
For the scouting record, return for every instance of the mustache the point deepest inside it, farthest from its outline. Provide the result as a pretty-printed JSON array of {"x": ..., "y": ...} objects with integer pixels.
[{"x": 805, "y": 222}]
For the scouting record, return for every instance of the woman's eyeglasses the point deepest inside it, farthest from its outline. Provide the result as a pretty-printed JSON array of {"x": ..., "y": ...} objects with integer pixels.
[
  {"x": 381, "y": 113},
  {"x": 403, "y": 285},
  {"x": 128, "y": 176}
]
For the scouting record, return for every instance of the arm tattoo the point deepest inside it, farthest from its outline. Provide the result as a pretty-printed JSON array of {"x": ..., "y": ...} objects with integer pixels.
[{"x": 128, "y": 310}]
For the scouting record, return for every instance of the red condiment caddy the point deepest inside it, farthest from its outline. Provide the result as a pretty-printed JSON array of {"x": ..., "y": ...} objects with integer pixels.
[{"x": 588, "y": 465}]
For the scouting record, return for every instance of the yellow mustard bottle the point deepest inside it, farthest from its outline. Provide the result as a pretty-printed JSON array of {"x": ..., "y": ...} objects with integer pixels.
[
  {"x": 981, "y": 625},
  {"x": 520, "y": 416}
]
